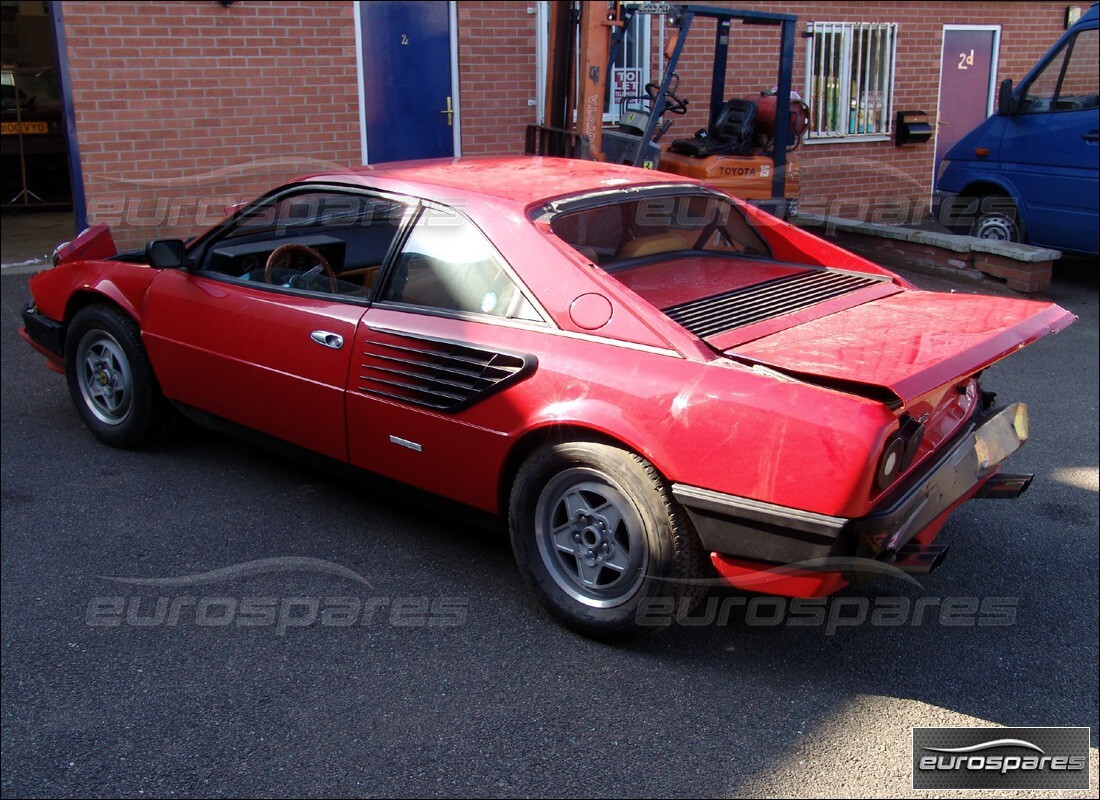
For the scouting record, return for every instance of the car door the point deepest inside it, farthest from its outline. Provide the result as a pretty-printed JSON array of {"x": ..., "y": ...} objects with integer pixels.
[
  {"x": 265, "y": 342},
  {"x": 438, "y": 361}
]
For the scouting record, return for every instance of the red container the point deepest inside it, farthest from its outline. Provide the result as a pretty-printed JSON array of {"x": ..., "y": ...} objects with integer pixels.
[{"x": 765, "y": 115}]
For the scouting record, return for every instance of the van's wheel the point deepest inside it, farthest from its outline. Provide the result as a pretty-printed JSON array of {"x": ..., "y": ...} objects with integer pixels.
[
  {"x": 597, "y": 534},
  {"x": 998, "y": 220},
  {"x": 111, "y": 380}
]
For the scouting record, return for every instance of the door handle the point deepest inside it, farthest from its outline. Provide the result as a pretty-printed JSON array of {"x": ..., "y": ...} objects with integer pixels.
[
  {"x": 328, "y": 339},
  {"x": 450, "y": 112},
  {"x": 1091, "y": 136}
]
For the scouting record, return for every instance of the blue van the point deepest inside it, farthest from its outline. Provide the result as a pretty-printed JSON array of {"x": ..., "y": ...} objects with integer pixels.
[{"x": 1031, "y": 173}]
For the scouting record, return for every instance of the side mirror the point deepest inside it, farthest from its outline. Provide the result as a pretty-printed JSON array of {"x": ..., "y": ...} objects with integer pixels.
[
  {"x": 165, "y": 253},
  {"x": 1006, "y": 103}
]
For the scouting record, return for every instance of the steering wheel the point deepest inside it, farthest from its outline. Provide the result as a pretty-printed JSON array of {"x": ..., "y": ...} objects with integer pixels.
[
  {"x": 283, "y": 256},
  {"x": 673, "y": 104}
]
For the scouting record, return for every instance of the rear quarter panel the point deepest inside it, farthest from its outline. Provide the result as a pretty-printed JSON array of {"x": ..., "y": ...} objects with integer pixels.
[{"x": 713, "y": 424}]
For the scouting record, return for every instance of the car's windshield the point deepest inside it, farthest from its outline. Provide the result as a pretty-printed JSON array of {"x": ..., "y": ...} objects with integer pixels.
[
  {"x": 37, "y": 90},
  {"x": 617, "y": 234}
]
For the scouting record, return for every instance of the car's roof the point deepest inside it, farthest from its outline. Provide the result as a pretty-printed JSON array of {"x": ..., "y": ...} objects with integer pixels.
[{"x": 520, "y": 180}]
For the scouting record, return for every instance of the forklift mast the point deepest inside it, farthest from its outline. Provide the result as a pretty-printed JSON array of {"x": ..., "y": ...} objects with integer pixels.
[{"x": 601, "y": 26}]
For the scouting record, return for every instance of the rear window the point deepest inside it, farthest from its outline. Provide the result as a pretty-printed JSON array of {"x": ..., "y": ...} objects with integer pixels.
[{"x": 635, "y": 229}]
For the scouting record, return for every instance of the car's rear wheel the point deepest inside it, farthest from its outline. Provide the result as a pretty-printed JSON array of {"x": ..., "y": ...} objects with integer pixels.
[
  {"x": 111, "y": 380},
  {"x": 598, "y": 536}
]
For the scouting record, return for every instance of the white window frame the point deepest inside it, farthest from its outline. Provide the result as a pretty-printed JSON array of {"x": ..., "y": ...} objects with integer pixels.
[
  {"x": 640, "y": 31},
  {"x": 855, "y": 65}
]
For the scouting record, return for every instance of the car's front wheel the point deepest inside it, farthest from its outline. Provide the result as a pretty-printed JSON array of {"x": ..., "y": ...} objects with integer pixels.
[
  {"x": 598, "y": 536},
  {"x": 111, "y": 380},
  {"x": 998, "y": 220}
]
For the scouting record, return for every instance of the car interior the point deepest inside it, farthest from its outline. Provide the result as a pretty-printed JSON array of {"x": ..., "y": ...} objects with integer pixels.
[
  {"x": 318, "y": 242},
  {"x": 353, "y": 257},
  {"x": 621, "y": 237}
]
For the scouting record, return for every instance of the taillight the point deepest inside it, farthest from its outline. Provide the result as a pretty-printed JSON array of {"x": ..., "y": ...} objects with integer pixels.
[
  {"x": 889, "y": 464},
  {"x": 899, "y": 452}
]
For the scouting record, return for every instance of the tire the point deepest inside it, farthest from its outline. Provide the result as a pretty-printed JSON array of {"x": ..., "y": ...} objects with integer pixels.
[
  {"x": 111, "y": 381},
  {"x": 998, "y": 220},
  {"x": 598, "y": 536}
]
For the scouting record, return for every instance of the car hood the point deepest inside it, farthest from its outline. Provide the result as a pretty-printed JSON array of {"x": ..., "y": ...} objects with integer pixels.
[{"x": 906, "y": 344}]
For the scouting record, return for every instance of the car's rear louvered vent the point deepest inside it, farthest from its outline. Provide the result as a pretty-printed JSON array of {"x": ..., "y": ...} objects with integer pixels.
[
  {"x": 725, "y": 312},
  {"x": 433, "y": 373}
]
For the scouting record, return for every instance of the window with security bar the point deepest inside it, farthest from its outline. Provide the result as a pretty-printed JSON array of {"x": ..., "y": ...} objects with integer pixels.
[{"x": 850, "y": 80}]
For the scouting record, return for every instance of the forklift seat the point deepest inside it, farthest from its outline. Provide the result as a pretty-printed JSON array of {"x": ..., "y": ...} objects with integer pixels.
[{"x": 731, "y": 133}]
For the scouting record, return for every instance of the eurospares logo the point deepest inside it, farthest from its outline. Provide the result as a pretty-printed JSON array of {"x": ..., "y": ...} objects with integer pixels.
[{"x": 1000, "y": 758}]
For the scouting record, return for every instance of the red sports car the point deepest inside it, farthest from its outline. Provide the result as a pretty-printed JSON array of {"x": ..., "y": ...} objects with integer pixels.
[{"x": 652, "y": 382}]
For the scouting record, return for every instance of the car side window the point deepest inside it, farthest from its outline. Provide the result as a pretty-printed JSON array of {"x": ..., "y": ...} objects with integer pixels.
[
  {"x": 447, "y": 263},
  {"x": 1070, "y": 81},
  {"x": 319, "y": 241}
]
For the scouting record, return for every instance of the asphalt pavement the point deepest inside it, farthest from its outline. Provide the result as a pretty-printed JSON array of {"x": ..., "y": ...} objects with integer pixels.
[{"x": 291, "y": 633}]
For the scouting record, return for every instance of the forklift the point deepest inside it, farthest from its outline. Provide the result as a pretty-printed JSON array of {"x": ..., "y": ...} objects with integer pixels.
[{"x": 737, "y": 152}]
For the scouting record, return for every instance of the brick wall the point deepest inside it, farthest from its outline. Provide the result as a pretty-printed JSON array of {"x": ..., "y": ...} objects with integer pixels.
[
  {"x": 496, "y": 56},
  {"x": 184, "y": 107}
]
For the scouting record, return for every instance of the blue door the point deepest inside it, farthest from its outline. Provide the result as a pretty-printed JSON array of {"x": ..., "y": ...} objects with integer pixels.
[{"x": 408, "y": 106}]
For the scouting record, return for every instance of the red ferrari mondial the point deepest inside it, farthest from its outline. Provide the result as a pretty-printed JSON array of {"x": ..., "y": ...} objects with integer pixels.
[{"x": 651, "y": 382}]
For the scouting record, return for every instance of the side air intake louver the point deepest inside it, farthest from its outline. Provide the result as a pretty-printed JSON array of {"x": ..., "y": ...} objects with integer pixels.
[
  {"x": 438, "y": 374},
  {"x": 730, "y": 310}
]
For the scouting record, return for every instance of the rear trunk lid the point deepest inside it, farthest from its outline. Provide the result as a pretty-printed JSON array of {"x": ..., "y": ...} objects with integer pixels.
[{"x": 908, "y": 343}]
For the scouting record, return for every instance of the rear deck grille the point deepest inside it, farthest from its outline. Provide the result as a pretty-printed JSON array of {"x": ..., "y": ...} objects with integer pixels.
[
  {"x": 719, "y": 313},
  {"x": 437, "y": 374}
]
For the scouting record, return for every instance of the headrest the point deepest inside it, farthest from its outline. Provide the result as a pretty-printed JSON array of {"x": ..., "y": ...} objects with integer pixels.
[{"x": 651, "y": 245}]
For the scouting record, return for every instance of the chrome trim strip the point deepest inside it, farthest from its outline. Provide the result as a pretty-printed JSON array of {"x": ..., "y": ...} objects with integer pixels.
[
  {"x": 506, "y": 323},
  {"x": 415, "y": 447},
  {"x": 588, "y": 337}
]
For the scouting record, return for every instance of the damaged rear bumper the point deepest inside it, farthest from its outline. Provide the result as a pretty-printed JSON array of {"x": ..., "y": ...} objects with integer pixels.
[{"x": 809, "y": 554}]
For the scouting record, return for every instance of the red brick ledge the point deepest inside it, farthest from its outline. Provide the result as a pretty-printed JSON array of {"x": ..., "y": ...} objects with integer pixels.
[{"x": 1023, "y": 267}]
